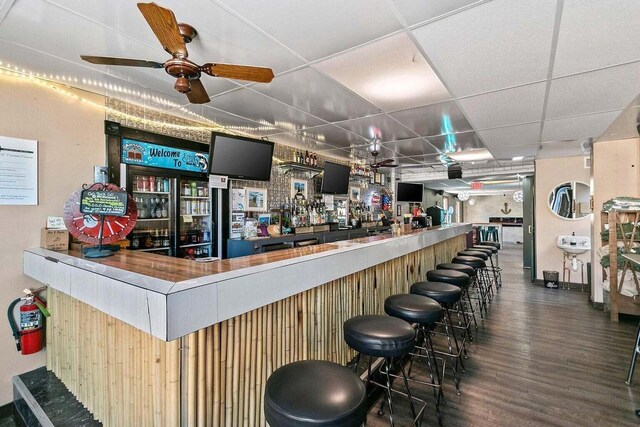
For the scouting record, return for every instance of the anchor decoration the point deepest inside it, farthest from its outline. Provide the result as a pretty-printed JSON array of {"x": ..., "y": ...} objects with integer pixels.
[{"x": 506, "y": 209}]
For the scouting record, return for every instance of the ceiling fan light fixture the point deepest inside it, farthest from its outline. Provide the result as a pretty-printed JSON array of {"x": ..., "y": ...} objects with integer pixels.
[{"x": 182, "y": 85}]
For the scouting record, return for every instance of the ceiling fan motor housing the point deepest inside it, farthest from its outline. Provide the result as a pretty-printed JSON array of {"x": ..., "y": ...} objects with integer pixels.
[{"x": 183, "y": 70}]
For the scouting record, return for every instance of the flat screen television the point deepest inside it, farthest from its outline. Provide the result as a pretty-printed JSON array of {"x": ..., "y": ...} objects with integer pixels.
[
  {"x": 239, "y": 157},
  {"x": 408, "y": 192},
  {"x": 335, "y": 179}
]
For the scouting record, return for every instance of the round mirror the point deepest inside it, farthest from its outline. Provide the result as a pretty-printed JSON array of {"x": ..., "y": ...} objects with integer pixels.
[{"x": 570, "y": 200}]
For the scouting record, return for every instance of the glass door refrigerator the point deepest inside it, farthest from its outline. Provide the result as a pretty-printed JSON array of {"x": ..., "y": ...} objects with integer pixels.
[
  {"x": 195, "y": 219},
  {"x": 175, "y": 212}
]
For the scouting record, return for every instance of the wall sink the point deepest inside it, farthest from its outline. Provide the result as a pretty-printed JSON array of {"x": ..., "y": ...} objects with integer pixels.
[{"x": 583, "y": 244}]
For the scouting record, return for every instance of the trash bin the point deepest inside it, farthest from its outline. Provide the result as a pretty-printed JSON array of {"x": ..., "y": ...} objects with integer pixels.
[{"x": 551, "y": 279}]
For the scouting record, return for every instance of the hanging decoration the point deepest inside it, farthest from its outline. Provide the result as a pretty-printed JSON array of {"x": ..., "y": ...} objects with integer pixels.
[
  {"x": 518, "y": 196},
  {"x": 463, "y": 196}
]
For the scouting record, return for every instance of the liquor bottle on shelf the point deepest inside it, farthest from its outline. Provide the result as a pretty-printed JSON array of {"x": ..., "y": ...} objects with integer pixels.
[{"x": 306, "y": 157}]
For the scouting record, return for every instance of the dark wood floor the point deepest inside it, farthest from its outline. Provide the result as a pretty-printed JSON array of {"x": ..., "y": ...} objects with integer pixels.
[{"x": 543, "y": 358}]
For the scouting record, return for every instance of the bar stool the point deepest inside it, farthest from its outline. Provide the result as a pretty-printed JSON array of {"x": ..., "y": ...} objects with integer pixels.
[
  {"x": 483, "y": 273},
  {"x": 389, "y": 338},
  {"x": 481, "y": 292},
  {"x": 495, "y": 245},
  {"x": 337, "y": 397},
  {"x": 424, "y": 312},
  {"x": 446, "y": 295},
  {"x": 466, "y": 297},
  {"x": 497, "y": 271}
]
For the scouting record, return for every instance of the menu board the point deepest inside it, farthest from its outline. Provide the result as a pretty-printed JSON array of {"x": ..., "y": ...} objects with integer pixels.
[
  {"x": 100, "y": 202},
  {"x": 18, "y": 171}
]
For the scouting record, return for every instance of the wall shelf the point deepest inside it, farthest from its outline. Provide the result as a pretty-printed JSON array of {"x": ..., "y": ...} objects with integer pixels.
[{"x": 293, "y": 166}]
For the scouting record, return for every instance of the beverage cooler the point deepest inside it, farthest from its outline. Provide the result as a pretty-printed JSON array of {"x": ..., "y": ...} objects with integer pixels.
[{"x": 174, "y": 212}]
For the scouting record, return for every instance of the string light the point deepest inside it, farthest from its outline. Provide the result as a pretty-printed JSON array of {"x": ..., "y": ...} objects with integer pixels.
[{"x": 43, "y": 81}]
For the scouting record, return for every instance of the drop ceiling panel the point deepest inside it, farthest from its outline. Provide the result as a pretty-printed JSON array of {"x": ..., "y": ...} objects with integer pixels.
[
  {"x": 230, "y": 121},
  {"x": 589, "y": 126},
  {"x": 389, "y": 129},
  {"x": 511, "y": 135},
  {"x": 495, "y": 45},
  {"x": 507, "y": 153},
  {"x": 407, "y": 162},
  {"x": 610, "y": 37},
  {"x": 434, "y": 119},
  {"x": 428, "y": 159},
  {"x": 334, "y": 135},
  {"x": 411, "y": 147},
  {"x": 293, "y": 139},
  {"x": 46, "y": 18},
  {"x": 414, "y": 12},
  {"x": 390, "y": 73},
  {"x": 365, "y": 154},
  {"x": 262, "y": 109},
  {"x": 311, "y": 91},
  {"x": 609, "y": 89},
  {"x": 506, "y": 107},
  {"x": 461, "y": 141},
  {"x": 300, "y": 25}
]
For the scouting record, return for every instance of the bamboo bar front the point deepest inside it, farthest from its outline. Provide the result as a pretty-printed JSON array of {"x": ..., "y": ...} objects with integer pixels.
[{"x": 126, "y": 377}]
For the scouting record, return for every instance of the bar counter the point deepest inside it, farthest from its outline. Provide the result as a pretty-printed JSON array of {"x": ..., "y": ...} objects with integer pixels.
[{"x": 143, "y": 339}]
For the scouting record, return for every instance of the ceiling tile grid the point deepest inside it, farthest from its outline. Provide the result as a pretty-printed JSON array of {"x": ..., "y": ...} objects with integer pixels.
[{"x": 349, "y": 72}]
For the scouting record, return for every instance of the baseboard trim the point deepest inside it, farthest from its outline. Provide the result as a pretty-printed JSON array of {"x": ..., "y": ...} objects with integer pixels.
[{"x": 572, "y": 286}]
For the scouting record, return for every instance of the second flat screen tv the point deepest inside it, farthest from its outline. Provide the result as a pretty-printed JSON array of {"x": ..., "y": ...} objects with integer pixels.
[
  {"x": 240, "y": 158},
  {"x": 407, "y": 192},
  {"x": 335, "y": 179}
]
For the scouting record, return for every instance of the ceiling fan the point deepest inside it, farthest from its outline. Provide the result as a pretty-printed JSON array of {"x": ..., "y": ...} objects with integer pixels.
[
  {"x": 173, "y": 37},
  {"x": 387, "y": 163}
]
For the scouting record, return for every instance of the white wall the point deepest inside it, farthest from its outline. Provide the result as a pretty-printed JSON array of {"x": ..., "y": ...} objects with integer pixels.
[
  {"x": 616, "y": 172},
  {"x": 71, "y": 141},
  {"x": 549, "y": 173},
  {"x": 491, "y": 206}
]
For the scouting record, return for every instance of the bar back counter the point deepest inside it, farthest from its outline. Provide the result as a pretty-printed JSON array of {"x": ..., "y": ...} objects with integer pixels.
[{"x": 142, "y": 339}]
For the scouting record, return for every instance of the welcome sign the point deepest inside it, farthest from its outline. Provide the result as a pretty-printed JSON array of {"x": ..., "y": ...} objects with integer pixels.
[{"x": 160, "y": 156}]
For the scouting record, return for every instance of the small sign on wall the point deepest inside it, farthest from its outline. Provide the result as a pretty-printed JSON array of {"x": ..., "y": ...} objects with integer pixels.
[{"x": 18, "y": 171}]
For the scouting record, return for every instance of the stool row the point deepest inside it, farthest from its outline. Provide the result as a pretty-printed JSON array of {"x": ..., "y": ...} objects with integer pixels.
[{"x": 321, "y": 393}]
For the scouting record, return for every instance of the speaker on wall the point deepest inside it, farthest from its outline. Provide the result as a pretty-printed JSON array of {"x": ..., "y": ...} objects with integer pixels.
[
  {"x": 440, "y": 192},
  {"x": 454, "y": 171}
]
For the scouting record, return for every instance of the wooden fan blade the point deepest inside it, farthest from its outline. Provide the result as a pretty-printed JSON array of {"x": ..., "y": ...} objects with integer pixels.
[
  {"x": 239, "y": 72},
  {"x": 106, "y": 60},
  {"x": 164, "y": 25},
  {"x": 198, "y": 94},
  {"x": 382, "y": 162}
]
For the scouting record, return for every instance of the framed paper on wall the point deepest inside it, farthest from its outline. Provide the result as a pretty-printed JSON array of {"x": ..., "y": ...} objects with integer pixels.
[
  {"x": 256, "y": 200},
  {"x": 354, "y": 193},
  {"x": 298, "y": 185}
]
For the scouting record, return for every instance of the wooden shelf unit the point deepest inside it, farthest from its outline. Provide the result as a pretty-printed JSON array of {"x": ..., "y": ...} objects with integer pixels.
[{"x": 616, "y": 219}]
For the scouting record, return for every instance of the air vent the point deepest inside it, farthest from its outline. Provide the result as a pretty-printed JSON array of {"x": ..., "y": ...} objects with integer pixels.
[{"x": 587, "y": 162}]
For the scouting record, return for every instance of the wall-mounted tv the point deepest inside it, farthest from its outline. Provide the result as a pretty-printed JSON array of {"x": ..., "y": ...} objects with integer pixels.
[
  {"x": 335, "y": 179},
  {"x": 408, "y": 192},
  {"x": 239, "y": 157}
]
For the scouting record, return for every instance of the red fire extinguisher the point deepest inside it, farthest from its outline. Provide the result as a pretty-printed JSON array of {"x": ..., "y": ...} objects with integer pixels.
[{"x": 29, "y": 335}]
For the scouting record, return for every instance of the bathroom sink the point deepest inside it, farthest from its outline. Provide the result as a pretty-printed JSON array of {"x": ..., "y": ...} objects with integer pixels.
[{"x": 582, "y": 244}]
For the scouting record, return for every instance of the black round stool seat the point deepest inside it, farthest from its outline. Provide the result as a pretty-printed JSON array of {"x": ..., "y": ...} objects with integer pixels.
[
  {"x": 315, "y": 393},
  {"x": 378, "y": 335},
  {"x": 489, "y": 243},
  {"x": 460, "y": 267},
  {"x": 471, "y": 261},
  {"x": 478, "y": 254},
  {"x": 487, "y": 252},
  {"x": 493, "y": 249},
  {"x": 413, "y": 308},
  {"x": 453, "y": 277},
  {"x": 444, "y": 293}
]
